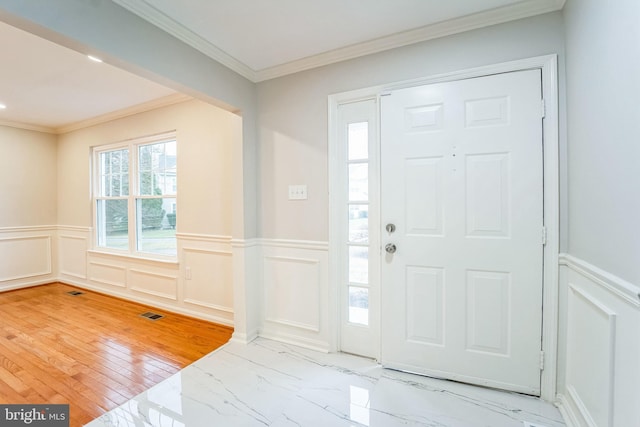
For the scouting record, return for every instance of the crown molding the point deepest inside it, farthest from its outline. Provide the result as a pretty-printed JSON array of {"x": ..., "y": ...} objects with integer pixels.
[
  {"x": 165, "y": 101},
  {"x": 182, "y": 33},
  {"x": 27, "y": 126},
  {"x": 487, "y": 18},
  {"x": 523, "y": 9}
]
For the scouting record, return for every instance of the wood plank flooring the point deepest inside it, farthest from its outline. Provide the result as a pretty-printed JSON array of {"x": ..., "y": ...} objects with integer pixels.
[{"x": 91, "y": 351}]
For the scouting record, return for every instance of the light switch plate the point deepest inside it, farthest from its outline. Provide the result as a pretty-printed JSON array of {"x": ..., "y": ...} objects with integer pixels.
[{"x": 297, "y": 192}]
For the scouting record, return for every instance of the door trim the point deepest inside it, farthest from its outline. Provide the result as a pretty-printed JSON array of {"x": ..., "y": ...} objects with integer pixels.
[{"x": 548, "y": 64}]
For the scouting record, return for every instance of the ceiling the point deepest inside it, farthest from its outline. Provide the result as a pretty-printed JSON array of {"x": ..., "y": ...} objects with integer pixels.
[
  {"x": 259, "y": 39},
  {"x": 263, "y": 39},
  {"x": 51, "y": 88}
]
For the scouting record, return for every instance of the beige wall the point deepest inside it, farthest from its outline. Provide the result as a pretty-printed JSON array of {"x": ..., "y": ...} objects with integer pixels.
[
  {"x": 133, "y": 44},
  {"x": 205, "y": 134},
  {"x": 28, "y": 183}
]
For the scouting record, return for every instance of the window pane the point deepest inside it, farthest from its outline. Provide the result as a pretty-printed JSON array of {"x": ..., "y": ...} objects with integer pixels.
[
  {"x": 144, "y": 157},
  {"x": 358, "y": 264},
  {"x": 358, "y": 141},
  {"x": 359, "y": 223},
  {"x": 114, "y": 173},
  {"x": 359, "y": 182},
  {"x": 358, "y": 305},
  {"x": 157, "y": 174},
  {"x": 156, "y": 225},
  {"x": 116, "y": 185},
  {"x": 113, "y": 224}
]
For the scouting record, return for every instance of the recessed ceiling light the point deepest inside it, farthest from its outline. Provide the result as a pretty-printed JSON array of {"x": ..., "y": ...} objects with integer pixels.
[
  {"x": 2, "y": 106},
  {"x": 94, "y": 59}
]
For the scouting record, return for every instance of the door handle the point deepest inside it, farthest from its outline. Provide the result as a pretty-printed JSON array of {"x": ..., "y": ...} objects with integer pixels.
[{"x": 390, "y": 248}]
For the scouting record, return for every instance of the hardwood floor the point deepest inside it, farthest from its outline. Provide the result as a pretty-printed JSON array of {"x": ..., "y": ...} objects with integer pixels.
[{"x": 91, "y": 351}]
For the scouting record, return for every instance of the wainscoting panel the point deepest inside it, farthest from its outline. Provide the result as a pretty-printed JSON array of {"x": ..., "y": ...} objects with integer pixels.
[
  {"x": 599, "y": 356},
  {"x": 296, "y": 307},
  {"x": 108, "y": 274},
  {"x": 208, "y": 280},
  {"x": 198, "y": 283},
  {"x": 589, "y": 322},
  {"x": 30, "y": 255},
  {"x": 73, "y": 255},
  {"x": 27, "y": 256},
  {"x": 292, "y": 288},
  {"x": 151, "y": 282}
]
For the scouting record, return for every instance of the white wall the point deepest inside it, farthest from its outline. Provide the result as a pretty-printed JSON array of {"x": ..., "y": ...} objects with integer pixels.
[
  {"x": 598, "y": 372},
  {"x": 28, "y": 185},
  {"x": 206, "y": 136}
]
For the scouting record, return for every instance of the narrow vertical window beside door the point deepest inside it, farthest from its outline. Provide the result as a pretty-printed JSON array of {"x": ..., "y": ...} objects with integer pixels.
[
  {"x": 358, "y": 211},
  {"x": 355, "y": 214}
]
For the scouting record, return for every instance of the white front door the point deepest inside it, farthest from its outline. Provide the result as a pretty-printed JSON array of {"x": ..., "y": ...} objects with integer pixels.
[{"x": 462, "y": 192}]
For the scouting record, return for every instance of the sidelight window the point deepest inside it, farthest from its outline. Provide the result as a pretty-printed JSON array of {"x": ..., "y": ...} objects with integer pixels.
[{"x": 358, "y": 222}]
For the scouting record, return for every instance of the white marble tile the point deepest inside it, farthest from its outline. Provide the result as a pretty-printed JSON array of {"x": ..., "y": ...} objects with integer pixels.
[{"x": 266, "y": 383}]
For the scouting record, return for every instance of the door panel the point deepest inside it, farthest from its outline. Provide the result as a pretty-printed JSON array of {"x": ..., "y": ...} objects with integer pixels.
[{"x": 462, "y": 182}]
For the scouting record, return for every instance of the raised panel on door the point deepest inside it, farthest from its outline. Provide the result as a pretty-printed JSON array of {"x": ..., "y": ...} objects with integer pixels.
[
  {"x": 487, "y": 195},
  {"x": 488, "y": 312},
  {"x": 462, "y": 182},
  {"x": 423, "y": 196},
  {"x": 425, "y": 305}
]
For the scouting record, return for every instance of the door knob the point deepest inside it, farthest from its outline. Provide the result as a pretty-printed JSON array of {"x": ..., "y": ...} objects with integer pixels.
[
  {"x": 390, "y": 248},
  {"x": 390, "y": 228}
]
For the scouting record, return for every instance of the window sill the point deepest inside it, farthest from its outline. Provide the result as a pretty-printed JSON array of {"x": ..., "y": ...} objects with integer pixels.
[{"x": 167, "y": 262}]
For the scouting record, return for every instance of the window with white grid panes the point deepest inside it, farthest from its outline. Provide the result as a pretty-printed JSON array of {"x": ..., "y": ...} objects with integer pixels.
[{"x": 135, "y": 196}]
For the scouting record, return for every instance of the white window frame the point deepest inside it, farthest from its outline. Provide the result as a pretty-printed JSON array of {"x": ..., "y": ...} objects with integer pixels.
[{"x": 134, "y": 194}]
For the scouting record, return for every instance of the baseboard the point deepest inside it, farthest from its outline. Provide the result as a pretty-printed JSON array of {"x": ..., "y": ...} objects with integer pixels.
[
  {"x": 243, "y": 338},
  {"x": 29, "y": 284},
  {"x": 311, "y": 344},
  {"x": 568, "y": 410},
  {"x": 149, "y": 302}
]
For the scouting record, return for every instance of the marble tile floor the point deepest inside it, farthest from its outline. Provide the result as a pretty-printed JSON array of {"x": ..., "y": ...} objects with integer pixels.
[{"x": 267, "y": 383}]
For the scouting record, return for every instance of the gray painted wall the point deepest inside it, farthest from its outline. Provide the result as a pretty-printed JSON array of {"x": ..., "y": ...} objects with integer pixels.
[
  {"x": 603, "y": 127},
  {"x": 292, "y": 111}
]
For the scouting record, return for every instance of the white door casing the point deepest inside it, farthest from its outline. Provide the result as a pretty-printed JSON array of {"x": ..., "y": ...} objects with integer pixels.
[
  {"x": 548, "y": 64},
  {"x": 462, "y": 181}
]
